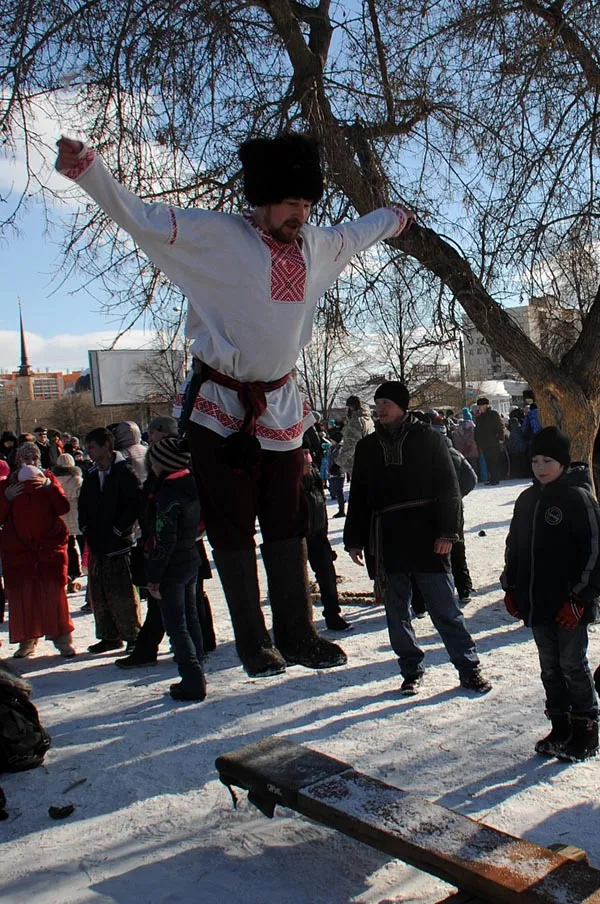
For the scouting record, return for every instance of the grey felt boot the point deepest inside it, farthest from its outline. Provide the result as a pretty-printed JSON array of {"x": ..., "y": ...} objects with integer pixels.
[
  {"x": 238, "y": 573},
  {"x": 295, "y": 636}
]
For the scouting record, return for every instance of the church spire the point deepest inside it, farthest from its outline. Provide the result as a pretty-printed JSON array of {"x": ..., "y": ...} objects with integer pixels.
[{"x": 25, "y": 369}]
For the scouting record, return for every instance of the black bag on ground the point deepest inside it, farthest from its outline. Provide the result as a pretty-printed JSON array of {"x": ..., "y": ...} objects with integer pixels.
[{"x": 23, "y": 740}]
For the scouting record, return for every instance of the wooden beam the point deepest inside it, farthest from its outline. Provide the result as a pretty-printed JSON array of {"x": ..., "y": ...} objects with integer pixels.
[{"x": 476, "y": 858}]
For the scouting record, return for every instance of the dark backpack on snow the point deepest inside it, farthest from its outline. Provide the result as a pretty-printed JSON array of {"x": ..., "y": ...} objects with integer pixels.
[{"x": 23, "y": 740}]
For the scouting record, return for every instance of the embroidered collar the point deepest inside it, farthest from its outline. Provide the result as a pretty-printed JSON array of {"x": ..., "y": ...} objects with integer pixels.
[{"x": 267, "y": 237}]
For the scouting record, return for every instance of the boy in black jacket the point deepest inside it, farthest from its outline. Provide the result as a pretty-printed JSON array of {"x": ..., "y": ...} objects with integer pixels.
[
  {"x": 551, "y": 579},
  {"x": 173, "y": 561}
]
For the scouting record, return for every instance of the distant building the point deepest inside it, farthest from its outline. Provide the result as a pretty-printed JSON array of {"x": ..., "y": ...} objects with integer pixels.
[
  {"x": 483, "y": 362},
  {"x": 436, "y": 393},
  {"x": 30, "y": 386},
  {"x": 548, "y": 323},
  {"x": 38, "y": 387}
]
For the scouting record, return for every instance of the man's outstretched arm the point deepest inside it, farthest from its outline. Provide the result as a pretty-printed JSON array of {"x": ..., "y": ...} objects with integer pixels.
[{"x": 155, "y": 227}]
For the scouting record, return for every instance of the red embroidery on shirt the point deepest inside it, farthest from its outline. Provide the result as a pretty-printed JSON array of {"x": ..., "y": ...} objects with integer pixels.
[
  {"x": 288, "y": 268},
  {"x": 342, "y": 242},
  {"x": 84, "y": 163},
  {"x": 402, "y": 218},
  {"x": 288, "y": 272},
  {"x": 280, "y": 434},
  {"x": 173, "y": 217}
]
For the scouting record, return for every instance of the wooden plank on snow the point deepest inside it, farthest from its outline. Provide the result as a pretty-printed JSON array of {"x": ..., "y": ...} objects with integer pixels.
[{"x": 476, "y": 858}]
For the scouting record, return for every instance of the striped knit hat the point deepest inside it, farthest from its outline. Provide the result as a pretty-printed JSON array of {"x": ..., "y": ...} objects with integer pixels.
[{"x": 170, "y": 453}]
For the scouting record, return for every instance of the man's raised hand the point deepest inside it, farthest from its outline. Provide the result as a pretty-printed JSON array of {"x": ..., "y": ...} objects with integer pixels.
[{"x": 68, "y": 153}]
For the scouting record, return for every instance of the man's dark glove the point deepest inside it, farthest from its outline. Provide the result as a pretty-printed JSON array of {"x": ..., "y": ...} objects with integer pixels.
[
  {"x": 510, "y": 601},
  {"x": 570, "y": 613}
]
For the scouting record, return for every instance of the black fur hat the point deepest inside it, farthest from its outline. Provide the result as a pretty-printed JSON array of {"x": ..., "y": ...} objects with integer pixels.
[{"x": 284, "y": 167}]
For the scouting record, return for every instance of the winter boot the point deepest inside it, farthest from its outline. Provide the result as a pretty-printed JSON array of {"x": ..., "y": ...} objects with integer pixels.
[
  {"x": 64, "y": 645},
  {"x": 475, "y": 680},
  {"x": 583, "y": 743},
  {"x": 335, "y": 622},
  {"x": 411, "y": 684},
  {"x": 136, "y": 659},
  {"x": 559, "y": 735},
  {"x": 239, "y": 577},
  {"x": 26, "y": 649},
  {"x": 105, "y": 646},
  {"x": 186, "y": 694},
  {"x": 287, "y": 575}
]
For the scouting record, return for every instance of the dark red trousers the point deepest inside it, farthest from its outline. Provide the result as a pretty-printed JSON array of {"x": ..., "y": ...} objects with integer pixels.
[{"x": 232, "y": 500}]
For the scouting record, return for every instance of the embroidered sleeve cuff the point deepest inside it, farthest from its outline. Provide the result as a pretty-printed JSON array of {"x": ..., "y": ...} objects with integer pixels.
[
  {"x": 84, "y": 161},
  {"x": 402, "y": 219},
  {"x": 174, "y": 227}
]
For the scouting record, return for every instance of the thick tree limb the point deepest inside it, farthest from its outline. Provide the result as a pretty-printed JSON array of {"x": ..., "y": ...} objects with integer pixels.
[{"x": 573, "y": 44}]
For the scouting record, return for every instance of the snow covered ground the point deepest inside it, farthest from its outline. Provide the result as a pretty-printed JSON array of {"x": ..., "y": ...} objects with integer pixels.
[{"x": 152, "y": 823}]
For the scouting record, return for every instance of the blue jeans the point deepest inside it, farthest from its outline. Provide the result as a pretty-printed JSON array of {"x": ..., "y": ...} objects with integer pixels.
[
  {"x": 180, "y": 618},
  {"x": 566, "y": 675},
  {"x": 438, "y": 593},
  {"x": 336, "y": 489}
]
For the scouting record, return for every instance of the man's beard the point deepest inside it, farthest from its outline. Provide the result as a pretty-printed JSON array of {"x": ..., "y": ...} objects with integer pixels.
[{"x": 285, "y": 238}]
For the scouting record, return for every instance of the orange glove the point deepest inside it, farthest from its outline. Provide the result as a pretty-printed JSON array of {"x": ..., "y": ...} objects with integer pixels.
[
  {"x": 570, "y": 613},
  {"x": 510, "y": 601}
]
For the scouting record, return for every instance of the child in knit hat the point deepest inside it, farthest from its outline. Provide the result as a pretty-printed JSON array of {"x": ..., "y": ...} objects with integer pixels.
[
  {"x": 173, "y": 561},
  {"x": 551, "y": 581}
]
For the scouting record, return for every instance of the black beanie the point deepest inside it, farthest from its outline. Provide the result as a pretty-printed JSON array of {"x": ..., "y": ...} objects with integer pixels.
[
  {"x": 284, "y": 167},
  {"x": 170, "y": 453},
  {"x": 395, "y": 392},
  {"x": 553, "y": 444}
]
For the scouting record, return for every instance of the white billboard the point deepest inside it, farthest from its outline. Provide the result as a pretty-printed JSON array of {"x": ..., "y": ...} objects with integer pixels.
[{"x": 131, "y": 375}]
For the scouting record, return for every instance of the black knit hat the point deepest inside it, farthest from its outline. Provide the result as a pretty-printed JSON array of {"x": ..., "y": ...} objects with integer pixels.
[
  {"x": 170, "y": 453},
  {"x": 395, "y": 392},
  {"x": 553, "y": 444},
  {"x": 284, "y": 167}
]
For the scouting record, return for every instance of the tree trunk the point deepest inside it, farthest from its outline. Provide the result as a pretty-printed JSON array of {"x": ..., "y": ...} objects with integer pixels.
[
  {"x": 568, "y": 394},
  {"x": 563, "y": 403}
]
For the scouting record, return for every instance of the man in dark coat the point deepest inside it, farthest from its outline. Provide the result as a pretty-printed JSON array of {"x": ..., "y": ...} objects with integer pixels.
[
  {"x": 404, "y": 510},
  {"x": 109, "y": 505},
  {"x": 41, "y": 440},
  {"x": 489, "y": 434}
]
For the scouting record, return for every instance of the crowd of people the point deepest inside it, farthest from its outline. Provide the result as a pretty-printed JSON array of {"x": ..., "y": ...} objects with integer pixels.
[
  {"x": 245, "y": 452},
  {"x": 103, "y": 509},
  {"x": 142, "y": 538}
]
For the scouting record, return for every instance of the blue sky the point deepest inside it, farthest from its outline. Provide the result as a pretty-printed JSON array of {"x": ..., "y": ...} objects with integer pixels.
[
  {"x": 61, "y": 322},
  {"x": 30, "y": 266}
]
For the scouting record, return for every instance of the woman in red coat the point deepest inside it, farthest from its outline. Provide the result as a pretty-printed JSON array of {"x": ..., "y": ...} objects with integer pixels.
[{"x": 33, "y": 548}]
